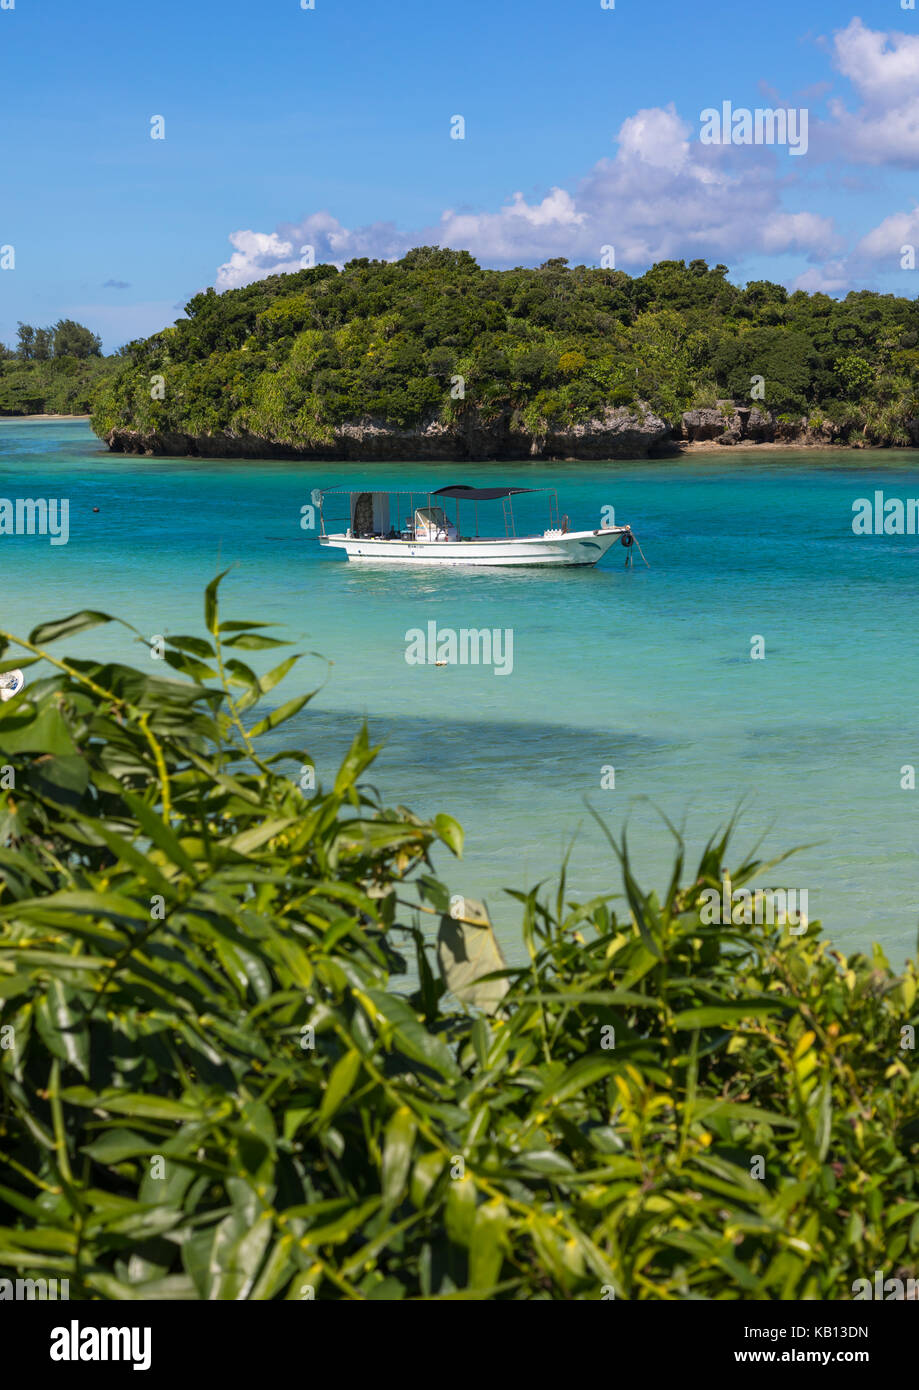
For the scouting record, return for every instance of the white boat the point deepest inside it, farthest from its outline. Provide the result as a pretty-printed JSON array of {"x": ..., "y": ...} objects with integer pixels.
[{"x": 373, "y": 530}]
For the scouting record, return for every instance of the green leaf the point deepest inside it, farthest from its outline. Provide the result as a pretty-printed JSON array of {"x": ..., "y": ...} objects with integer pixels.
[
  {"x": 122, "y": 1103},
  {"x": 189, "y": 666},
  {"x": 486, "y": 1250},
  {"x": 411, "y": 1037},
  {"x": 161, "y": 835},
  {"x": 358, "y": 757},
  {"x": 61, "y": 1023},
  {"x": 63, "y": 780},
  {"x": 341, "y": 1082},
  {"x": 44, "y": 1240},
  {"x": 237, "y": 626},
  {"x": 240, "y": 1264},
  {"x": 260, "y": 834},
  {"x": 451, "y": 832},
  {"x": 196, "y": 646},
  {"x": 106, "y": 906},
  {"x": 277, "y": 674},
  {"x": 210, "y": 602},
  {"x": 24, "y": 730},
  {"x": 823, "y": 1122},
  {"x": 718, "y": 1015},
  {"x": 279, "y": 715},
  {"x": 577, "y": 1078},
  {"x": 115, "y": 1145},
  {"x": 544, "y": 1161},
  {"x": 275, "y": 1271},
  {"x": 425, "y": 1173},
  {"x": 171, "y": 1289},
  {"x": 17, "y": 663},
  {"x": 241, "y": 674},
  {"x": 367, "y": 836},
  {"x": 253, "y": 642},
  {"x": 67, "y": 627},
  {"x": 397, "y": 1154},
  {"x": 460, "y": 1210}
]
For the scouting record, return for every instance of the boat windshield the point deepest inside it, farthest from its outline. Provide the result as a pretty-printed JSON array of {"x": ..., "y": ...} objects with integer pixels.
[{"x": 431, "y": 524}]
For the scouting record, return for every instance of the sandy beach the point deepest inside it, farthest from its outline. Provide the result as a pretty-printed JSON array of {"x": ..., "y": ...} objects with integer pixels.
[{"x": 44, "y": 417}]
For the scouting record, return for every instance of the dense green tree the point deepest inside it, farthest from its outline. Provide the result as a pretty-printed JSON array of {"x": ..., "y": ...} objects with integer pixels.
[
  {"x": 25, "y": 333},
  {"x": 74, "y": 340},
  {"x": 36, "y": 377},
  {"x": 783, "y": 359},
  {"x": 43, "y": 345},
  {"x": 855, "y": 373},
  {"x": 384, "y": 339}
]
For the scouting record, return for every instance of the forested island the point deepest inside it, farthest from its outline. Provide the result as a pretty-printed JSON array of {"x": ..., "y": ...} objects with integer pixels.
[
  {"x": 52, "y": 370},
  {"x": 434, "y": 357}
]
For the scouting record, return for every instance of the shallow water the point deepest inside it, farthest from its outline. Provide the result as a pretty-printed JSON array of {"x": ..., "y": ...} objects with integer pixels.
[{"x": 648, "y": 670}]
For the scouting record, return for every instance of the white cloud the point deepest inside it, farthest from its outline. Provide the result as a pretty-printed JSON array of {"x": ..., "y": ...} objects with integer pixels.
[
  {"x": 832, "y": 278},
  {"x": 656, "y": 136},
  {"x": 520, "y": 231},
  {"x": 887, "y": 239},
  {"x": 882, "y": 66},
  {"x": 662, "y": 195},
  {"x": 879, "y": 251},
  {"x": 797, "y": 231},
  {"x": 883, "y": 69},
  {"x": 258, "y": 254}
]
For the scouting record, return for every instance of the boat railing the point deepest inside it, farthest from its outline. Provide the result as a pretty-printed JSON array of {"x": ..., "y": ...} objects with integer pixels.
[{"x": 508, "y": 510}]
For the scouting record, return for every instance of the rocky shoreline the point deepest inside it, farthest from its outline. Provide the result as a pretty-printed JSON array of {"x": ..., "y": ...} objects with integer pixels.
[
  {"x": 621, "y": 432},
  {"x": 728, "y": 424}
]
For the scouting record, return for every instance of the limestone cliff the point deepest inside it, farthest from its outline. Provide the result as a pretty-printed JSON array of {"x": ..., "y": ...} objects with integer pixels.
[
  {"x": 727, "y": 424},
  {"x": 617, "y": 433}
]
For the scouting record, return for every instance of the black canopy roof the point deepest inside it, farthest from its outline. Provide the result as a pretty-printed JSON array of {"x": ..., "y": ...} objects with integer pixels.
[{"x": 480, "y": 494}]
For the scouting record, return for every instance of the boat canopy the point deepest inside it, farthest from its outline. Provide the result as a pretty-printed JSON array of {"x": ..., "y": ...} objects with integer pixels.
[
  {"x": 480, "y": 494},
  {"x": 371, "y": 511},
  {"x": 459, "y": 490}
]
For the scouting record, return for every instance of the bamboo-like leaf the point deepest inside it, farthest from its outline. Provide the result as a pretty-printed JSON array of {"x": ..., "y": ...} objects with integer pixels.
[
  {"x": 397, "y": 1154},
  {"x": 341, "y": 1083},
  {"x": 46, "y": 633},
  {"x": 210, "y": 602},
  {"x": 486, "y": 1250},
  {"x": 280, "y": 715}
]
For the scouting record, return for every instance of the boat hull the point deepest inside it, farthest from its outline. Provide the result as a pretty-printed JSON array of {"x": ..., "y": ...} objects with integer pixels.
[{"x": 571, "y": 548}]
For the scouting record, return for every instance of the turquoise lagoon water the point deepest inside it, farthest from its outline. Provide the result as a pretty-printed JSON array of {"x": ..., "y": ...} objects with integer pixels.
[{"x": 645, "y": 670}]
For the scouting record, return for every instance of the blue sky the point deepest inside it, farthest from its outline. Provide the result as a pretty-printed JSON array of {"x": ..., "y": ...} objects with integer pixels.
[{"x": 331, "y": 128}]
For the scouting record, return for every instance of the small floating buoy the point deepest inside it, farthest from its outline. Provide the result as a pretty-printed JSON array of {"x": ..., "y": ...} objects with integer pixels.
[{"x": 95, "y": 509}]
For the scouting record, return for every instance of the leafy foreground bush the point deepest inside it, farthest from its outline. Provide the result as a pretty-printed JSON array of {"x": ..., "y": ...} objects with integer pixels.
[{"x": 212, "y": 1090}]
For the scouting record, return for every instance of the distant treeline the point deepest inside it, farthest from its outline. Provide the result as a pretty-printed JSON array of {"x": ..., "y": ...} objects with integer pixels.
[
  {"x": 51, "y": 369},
  {"x": 291, "y": 357}
]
